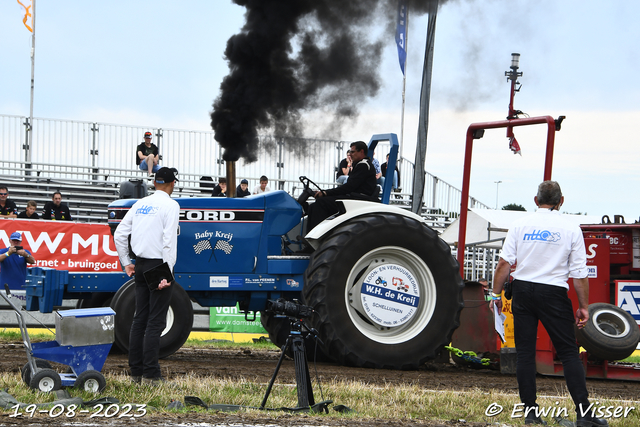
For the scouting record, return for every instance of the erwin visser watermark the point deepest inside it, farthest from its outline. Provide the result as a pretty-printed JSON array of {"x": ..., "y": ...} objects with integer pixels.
[{"x": 594, "y": 409}]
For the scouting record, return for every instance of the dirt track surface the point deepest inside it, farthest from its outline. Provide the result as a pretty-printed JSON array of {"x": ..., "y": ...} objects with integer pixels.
[{"x": 258, "y": 366}]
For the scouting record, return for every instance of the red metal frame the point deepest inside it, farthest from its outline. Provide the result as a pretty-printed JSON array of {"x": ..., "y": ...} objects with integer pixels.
[{"x": 466, "y": 177}]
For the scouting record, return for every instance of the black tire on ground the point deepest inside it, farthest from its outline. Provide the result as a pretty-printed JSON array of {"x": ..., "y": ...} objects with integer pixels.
[
  {"x": 279, "y": 329},
  {"x": 179, "y": 318},
  {"x": 25, "y": 372},
  {"x": 413, "y": 322},
  {"x": 610, "y": 333},
  {"x": 46, "y": 380},
  {"x": 91, "y": 381},
  {"x": 98, "y": 299}
]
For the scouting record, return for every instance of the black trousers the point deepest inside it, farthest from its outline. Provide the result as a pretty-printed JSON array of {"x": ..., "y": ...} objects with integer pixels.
[
  {"x": 322, "y": 209},
  {"x": 148, "y": 323},
  {"x": 551, "y": 306}
]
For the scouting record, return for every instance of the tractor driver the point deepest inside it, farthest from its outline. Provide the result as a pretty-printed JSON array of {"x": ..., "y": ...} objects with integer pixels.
[{"x": 360, "y": 186}]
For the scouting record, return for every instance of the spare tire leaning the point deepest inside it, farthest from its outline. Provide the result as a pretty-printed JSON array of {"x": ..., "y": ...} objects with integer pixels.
[{"x": 610, "y": 333}]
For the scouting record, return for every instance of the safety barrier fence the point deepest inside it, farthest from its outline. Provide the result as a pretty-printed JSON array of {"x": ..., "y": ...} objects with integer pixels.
[{"x": 102, "y": 154}]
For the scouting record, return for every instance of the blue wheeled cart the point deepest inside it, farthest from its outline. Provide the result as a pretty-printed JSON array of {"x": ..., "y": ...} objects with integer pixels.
[{"x": 83, "y": 340}]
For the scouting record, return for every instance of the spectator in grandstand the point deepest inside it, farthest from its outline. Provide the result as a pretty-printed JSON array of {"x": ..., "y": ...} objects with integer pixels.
[
  {"x": 30, "y": 212},
  {"x": 220, "y": 190},
  {"x": 147, "y": 156},
  {"x": 13, "y": 262},
  {"x": 262, "y": 188},
  {"x": 56, "y": 210},
  {"x": 8, "y": 208},
  {"x": 343, "y": 169},
  {"x": 396, "y": 173},
  {"x": 376, "y": 165},
  {"x": 243, "y": 189}
]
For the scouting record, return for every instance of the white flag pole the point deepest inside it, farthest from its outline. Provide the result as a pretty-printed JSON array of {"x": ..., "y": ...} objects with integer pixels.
[
  {"x": 404, "y": 85},
  {"x": 33, "y": 62}
]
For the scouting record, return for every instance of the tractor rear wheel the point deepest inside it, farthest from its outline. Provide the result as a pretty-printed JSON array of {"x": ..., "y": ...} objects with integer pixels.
[
  {"x": 179, "y": 318},
  {"x": 386, "y": 292},
  {"x": 610, "y": 333}
]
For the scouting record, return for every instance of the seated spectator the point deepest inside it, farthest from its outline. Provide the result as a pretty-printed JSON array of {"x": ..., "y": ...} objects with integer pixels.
[
  {"x": 220, "y": 190},
  {"x": 147, "y": 156},
  {"x": 344, "y": 169},
  {"x": 396, "y": 173},
  {"x": 376, "y": 165},
  {"x": 30, "y": 212},
  {"x": 243, "y": 189},
  {"x": 262, "y": 188},
  {"x": 8, "y": 208},
  {"x": 56, "y": 210}
]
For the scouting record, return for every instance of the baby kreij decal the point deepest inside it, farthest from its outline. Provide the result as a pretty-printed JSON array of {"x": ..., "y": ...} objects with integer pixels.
[{"x": 390, "y": 295}]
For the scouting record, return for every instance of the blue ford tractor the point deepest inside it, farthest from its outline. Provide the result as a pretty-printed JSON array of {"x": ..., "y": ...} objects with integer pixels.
[{"x": 247, "y": 251}]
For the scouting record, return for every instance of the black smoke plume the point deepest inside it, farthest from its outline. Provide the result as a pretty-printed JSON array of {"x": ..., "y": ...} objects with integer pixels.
[{"x": 294, "y": 56}]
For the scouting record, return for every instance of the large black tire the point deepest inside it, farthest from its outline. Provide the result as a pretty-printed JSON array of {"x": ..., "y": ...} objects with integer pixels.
[
  {"x": 370, "y": 248},
  {"x": 277, "y": 327},
  {"x": 98, "y": 299},
  {"x": 179, "y": 318},
  {"x": 610, "y": 333}
]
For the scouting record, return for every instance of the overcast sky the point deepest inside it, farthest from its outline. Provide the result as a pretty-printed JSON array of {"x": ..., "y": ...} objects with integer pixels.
[{"x": 160, "y": 63}]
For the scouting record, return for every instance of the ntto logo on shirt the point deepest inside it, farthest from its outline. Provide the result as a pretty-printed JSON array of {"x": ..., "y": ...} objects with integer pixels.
[
  {"x": 146, "y": 210},
  {"x": 544, "y": 236}
]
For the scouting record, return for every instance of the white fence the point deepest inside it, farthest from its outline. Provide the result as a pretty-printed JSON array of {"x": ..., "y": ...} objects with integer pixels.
[{"x": 108, "y": 148}]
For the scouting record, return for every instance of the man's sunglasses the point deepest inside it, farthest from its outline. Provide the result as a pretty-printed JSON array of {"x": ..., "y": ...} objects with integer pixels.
[{"x": 4, "y": 194}]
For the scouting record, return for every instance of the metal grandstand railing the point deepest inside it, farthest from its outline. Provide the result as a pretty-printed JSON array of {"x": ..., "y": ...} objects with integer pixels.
[{"x": 68, "y": 155}]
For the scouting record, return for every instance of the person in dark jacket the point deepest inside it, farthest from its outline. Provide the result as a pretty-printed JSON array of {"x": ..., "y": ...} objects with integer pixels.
[
  {"x": 361, "y": 185},
  {"x": 220, "y": 190},
  {"x": 8, "y": 208},
  {"x": 30, "y": 211},
  {"x": 56, "y": 210},
  {"x": 243, "y": 189},
  {"x": 396, "y": 173}
]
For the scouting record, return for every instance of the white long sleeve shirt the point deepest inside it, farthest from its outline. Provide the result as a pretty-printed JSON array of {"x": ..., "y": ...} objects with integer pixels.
[
  {"x": 152, "y": 223},
  {"x": 547, "y": 247}
]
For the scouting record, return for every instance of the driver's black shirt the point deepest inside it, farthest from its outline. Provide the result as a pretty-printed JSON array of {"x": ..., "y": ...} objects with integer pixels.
[{"x": 362, "y": 180}]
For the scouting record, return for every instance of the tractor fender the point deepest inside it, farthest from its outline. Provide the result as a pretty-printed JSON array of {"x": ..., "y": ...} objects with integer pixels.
[{"x": 354, "y": 208}]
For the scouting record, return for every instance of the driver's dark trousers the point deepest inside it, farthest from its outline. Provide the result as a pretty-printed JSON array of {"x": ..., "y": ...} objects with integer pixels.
[{"x": 322, "y": 209}]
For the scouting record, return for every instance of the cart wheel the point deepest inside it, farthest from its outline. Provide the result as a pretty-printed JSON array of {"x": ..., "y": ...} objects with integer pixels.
[
  {"x": 46, "y": 380},
  {"x": 26, "y": 370},
  {"x": 91, "y": 381}
]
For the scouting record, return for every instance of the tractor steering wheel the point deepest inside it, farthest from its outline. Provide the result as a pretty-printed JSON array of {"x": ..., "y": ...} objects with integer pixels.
[
  {"x": 307, "y": 191},
  {"x": 306, "y": 181}
]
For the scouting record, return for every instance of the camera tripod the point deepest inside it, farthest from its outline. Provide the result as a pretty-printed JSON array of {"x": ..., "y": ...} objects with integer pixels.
[{"x": 295, "y": 341}]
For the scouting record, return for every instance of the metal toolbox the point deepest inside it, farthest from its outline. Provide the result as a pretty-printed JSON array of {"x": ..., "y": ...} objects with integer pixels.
[{"x": 85, "y": 326}]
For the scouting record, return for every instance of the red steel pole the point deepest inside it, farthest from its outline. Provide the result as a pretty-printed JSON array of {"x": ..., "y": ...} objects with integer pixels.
[{"x": 466, "y": 175}]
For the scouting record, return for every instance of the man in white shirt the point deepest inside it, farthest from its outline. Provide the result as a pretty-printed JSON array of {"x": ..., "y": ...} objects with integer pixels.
[
  {"x": 152, "y": 223},
  {"x": 547, "y": 249}
]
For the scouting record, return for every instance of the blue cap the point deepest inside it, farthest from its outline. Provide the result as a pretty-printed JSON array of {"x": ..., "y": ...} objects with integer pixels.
[
  {"x": 244, "y": 181},
  {"x": 16, "y": 236}
]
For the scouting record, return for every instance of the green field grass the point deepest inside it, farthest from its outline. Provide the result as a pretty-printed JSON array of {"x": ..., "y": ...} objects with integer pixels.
[{"x": 369, "y": 402}]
